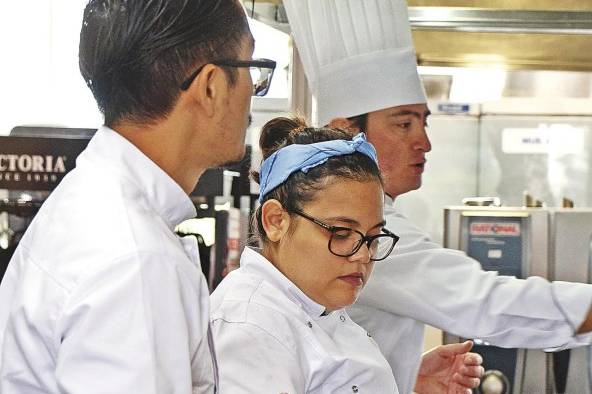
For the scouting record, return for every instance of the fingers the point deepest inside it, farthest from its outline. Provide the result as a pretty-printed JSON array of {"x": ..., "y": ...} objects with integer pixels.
[
  {"x": 466, "y": 381},
  {"x": 468, "y": 344},
  {"x": 472, "y": 359},
  {"x": 472, "y": 371},
  {"x": 460, "y": 390},
  {"x": 454, "y": 348}
]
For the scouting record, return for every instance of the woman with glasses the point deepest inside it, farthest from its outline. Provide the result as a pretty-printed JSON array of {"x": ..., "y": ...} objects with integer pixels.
[{"x": 279, "y": 322}]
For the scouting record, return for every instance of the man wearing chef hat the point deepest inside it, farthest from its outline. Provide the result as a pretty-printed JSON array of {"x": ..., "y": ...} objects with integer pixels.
[{"x": 360, "y": 62}]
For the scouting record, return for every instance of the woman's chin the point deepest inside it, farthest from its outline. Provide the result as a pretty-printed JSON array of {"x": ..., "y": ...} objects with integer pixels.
[{"x": 342, "y": 302}]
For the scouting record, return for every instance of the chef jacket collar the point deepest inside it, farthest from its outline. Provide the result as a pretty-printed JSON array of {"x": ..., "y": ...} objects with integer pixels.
[
  {"x": 388, "y": 200},
  {"x": 165, "y": 195},
  {"x": 252, "y": 259}
]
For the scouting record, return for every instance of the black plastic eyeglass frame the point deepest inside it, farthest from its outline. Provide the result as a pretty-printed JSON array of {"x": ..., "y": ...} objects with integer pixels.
[
  {"x": 261, "y": 63},
  {"x": 366, "y": 239}
]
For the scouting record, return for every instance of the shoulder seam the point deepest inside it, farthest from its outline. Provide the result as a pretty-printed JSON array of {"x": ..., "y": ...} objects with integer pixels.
[{"x": 251, "y": 324}]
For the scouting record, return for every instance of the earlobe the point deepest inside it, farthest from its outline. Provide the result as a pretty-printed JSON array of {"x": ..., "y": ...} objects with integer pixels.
[
  {"x": 275, "y": 220},
  {"x": 344, "y": 124}
]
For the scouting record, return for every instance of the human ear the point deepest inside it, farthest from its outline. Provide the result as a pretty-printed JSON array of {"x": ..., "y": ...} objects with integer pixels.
[
  {"x": 210, "y": 89},
  {"x": 275, "y": 220},
  {"x": 344, "y": 124}
]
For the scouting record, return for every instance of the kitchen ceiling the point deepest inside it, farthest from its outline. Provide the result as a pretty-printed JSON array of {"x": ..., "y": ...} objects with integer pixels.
[
  {"x": 514, "y": 34},
  {"x": 540, "y": 35}
]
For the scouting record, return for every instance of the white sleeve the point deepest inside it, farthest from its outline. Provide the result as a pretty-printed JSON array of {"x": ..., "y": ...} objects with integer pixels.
[
  {"x": 449, "y": 290},
  {"x": 252, "y": 360},
  {"x": 135, "y": 327}
]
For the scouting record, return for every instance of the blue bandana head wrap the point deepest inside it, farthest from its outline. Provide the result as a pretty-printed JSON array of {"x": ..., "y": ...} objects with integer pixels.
[{"x": 302, "y": 157}]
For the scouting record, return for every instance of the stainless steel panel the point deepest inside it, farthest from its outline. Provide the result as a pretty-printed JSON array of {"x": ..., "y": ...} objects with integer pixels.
[
  {"x": 571, "y": 235},
  {"x": 531, "y": 365},
  {"x": 537, "y": 256},
  {"x": 500, "y": 20},
  {"x": 544, "y": 5},
  {"x": 556, "y": 166}
]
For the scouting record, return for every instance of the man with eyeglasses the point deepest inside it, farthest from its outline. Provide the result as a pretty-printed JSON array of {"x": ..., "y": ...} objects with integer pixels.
[
  {"x": 360, "y": 62},
  {"x": 101, "y": 296}
]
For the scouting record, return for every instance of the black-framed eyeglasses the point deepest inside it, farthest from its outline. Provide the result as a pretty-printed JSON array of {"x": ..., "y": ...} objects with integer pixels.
[
  {"x": 261, "y": 73},
  {"x": 345, "y": 241}
]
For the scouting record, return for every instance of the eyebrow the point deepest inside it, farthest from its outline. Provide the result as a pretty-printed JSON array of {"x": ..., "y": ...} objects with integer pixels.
[
  {"x": 354, "y": 222},
  {"x": 413, "y": 113}
]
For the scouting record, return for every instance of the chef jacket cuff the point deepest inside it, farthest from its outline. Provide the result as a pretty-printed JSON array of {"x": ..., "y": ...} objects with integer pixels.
[{"x": 574, "y": 301}]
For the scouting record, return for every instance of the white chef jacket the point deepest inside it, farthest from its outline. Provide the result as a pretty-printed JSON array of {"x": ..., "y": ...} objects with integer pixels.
[
  {"x": 421, "y": 282},
  {"x": 272, "y": 338},
  {"x": 101, "y": 296}
]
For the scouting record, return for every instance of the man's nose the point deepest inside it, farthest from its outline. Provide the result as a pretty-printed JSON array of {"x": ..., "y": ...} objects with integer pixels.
[{"x": 423, "y": 141}]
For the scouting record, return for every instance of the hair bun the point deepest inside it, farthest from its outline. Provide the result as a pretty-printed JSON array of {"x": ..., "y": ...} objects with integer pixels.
[{"x": 278, "y": 133}]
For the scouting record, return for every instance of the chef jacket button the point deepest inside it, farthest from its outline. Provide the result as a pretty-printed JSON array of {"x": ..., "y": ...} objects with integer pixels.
[
  {"x": 342, "y": 318},
  {"x": 309, "y": 324},
  {"x": 369, "y": 334},
  {"x": 355, "y": 389}
]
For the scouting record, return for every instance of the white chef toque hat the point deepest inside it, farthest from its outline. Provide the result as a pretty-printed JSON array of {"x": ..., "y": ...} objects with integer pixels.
[{"x": 358, "y": 55}]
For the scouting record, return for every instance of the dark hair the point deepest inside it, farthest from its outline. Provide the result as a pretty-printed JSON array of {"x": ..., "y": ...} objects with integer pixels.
[
  {"x": 360, "y": 122},
  {"x": 302, "y": 187},
  {"x": 134, "y": 54}
]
